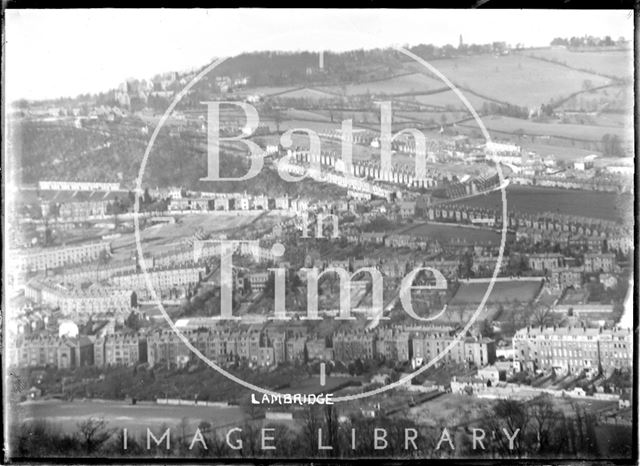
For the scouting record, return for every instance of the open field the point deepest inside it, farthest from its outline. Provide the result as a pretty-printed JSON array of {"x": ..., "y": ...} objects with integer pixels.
[
  {"x": 445, "y": 233},
  {"x": 121, "y": 415},
  {"x": 516, "y": 79},
  {"x": 624, "y": 120},
  {"x": 617, "y": 63},
  {"x": 317, "y": 126},
  {"x": 266, "y": 90},
  {"x": 295, "y": 114},
  {"x": 306, "y": 93},
  {"x": 574, "y": 131},
  {"x": 448, "y": 98},
  {"x": 433, "y": 117},
  {"x": 502, "y": 292},
  {"x": 409, "y": 83},
  {"x": 618, "y": 98},
  {"x": 530, "y": 200},
  {"x": 371, "y": 119}
]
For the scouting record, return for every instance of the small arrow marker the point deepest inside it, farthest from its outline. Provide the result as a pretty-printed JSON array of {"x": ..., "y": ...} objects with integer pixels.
[{"x": 323, "y": 375}]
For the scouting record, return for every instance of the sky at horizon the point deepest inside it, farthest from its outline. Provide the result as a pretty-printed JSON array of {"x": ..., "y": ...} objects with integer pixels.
[{"x": 63, "y": 53}]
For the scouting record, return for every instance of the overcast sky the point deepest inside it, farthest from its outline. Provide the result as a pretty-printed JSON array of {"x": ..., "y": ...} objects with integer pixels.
[{"x": 56, "y": 53}]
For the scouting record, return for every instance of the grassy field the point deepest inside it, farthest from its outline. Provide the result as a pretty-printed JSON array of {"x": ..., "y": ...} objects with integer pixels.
[
  {"x": 516, "y": 79},
  {"x": 584, "y": 132},
  {"x": 503, "y": 292},
  {"x": 448, "y": 97},
  {"x": 435, "y": 117},
  {"x": 624, "y": 120},
  {"x": 409, "y": 83},
  {"x": 266, "y": 90},
  {"x": 619, "y": 98},
  {"x": 295, "y": 114},
  {"x": 611, "y": 63},
  {"x": 527, "y": 199},
  {"x": 120, "y": 415},
  {"x": 306, "y": 93}
]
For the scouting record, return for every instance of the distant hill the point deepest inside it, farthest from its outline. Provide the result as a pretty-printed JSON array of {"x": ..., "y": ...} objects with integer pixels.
[{"x": 528, "y": 78}]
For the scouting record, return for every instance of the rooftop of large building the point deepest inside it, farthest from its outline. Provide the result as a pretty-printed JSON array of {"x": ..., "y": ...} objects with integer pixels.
[
  {"x": 37, "y": 196},
  {"x": 569, "y": 331}
]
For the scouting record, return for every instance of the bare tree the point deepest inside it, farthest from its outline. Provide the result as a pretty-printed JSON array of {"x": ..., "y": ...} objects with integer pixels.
[
  {"x": 183, "y": 427},
  {"x": 511, "y": 415},
  {"x": 93, "y": 433},
  {"x": 544, "y": 421},
  {"x": 311, "y": 424},
  {"x": 542, "y": 315}
]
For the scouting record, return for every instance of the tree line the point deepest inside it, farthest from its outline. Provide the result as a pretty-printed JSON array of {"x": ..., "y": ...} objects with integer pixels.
[{"x": 538, "y": 428}]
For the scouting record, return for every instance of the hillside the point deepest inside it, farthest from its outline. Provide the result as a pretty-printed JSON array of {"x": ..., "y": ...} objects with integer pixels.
[
  {"x": 573, "y": 101},
  {"x": 613, "y": 63},
  {"x": 525, "y": 78}
]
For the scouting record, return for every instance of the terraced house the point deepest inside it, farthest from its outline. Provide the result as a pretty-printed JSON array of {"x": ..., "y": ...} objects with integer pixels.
[
  {"x": 120, "y": 349},
  {"x": 573, "y": 349},
  {"x": 59, "y": 352},
  {"x": 50, "y": 258},
  {"x": 82, "y": 304},
  {"x": 393, "y": 345},
  {"x": 161, "y": 279},
  {"x": 427, "y": 343},
  {"x": 351, "y": 345},
  {"x": 594, "y": 262}
]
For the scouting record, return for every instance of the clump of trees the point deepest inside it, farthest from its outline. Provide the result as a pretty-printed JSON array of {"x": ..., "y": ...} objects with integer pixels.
[
  {"x": 544, "y": 429},
  {"x": 587, "y": 41},
  {"x": 612, "y": 145},
  {"x": 515, "y": 111},
  {"x": 40, "y": 439}
]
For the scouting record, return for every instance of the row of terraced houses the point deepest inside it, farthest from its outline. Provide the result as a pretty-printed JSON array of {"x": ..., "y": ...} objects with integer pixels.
[{"x": 258, "y": 348}]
